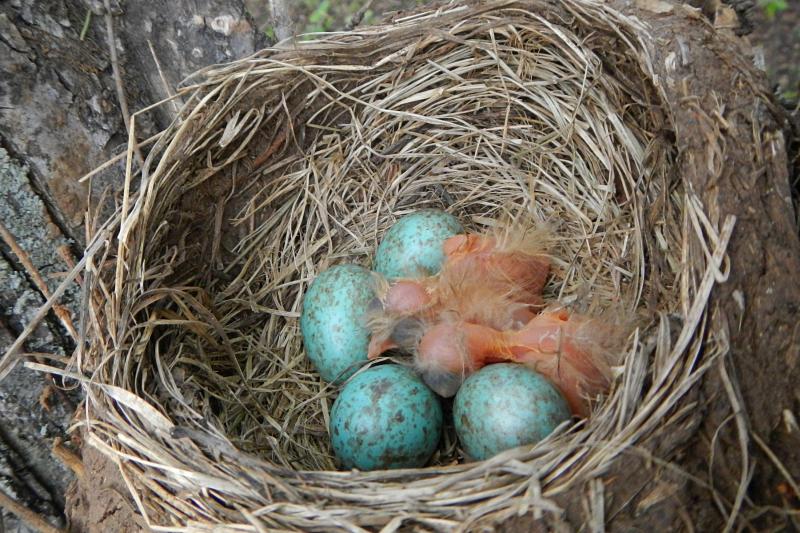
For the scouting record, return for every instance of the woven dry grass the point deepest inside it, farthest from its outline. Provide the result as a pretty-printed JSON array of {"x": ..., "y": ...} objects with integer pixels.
[{"x": 300, "y": 157}]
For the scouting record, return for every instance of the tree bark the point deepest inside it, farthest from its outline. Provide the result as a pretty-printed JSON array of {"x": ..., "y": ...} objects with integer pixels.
[
  {"x": 721, "y": 112},
  {"x": 281, "y": 20},
  {"x": 758, "y": 305},
  {"x": 59, "y": 119}
]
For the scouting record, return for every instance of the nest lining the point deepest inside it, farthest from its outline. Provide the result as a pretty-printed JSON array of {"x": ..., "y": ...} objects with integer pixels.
[{"x": 296, "y": 159}]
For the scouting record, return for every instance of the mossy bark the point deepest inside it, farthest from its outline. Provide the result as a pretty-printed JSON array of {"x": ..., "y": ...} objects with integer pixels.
[{"x": 59, "y": 119}]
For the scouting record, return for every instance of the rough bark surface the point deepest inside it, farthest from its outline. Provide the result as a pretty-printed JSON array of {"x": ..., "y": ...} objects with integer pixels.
[
  {"x": 32, "y": 411},
  {"x": 758, "y": 305},
  {"x": 99, "y": 501},
  {"x": 59, "y": 119}
]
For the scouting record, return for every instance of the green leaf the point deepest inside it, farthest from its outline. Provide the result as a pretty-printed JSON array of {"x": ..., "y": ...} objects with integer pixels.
[
  {"x": 773, "y": 7},
  {"x": 321, "y": 13}
]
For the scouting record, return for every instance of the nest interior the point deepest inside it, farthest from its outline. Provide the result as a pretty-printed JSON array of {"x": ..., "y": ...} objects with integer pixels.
[{"x": 299, "y": 158}]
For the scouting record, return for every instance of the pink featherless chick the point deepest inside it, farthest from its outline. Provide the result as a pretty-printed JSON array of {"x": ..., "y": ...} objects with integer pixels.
[
  {"x": 491, "y": 280},
  {"x": 571, "y": 350}
]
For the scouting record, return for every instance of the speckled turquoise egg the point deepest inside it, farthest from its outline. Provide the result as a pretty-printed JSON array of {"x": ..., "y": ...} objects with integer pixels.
[
  {"x": 413, "y": 246},
  {"x": 503, "y": 406},
  {"x": 385, "y": 417},
  {"x": 332, "y": 322}
]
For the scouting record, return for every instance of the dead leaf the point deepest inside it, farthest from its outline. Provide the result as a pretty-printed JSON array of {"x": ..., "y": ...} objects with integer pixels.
[{"x": 726, "y": 18}]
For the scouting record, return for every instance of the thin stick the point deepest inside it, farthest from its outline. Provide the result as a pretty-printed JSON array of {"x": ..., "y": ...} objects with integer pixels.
[
  {"x": 742, "y": 428},
  {"x": 119, "y": 157},
  {"x": 123, "y": 101},
  {"x": 358, "y": 16},
  {"x": 86, "y": 22},
  {"x": 10, "y": 358},
  {"x": 26, "y": 515},
  {"x": 69, "y": 260},
  {"x": 61, "y": 312},
  {"x": 126, "y": 193},
  {"x": 69, "y": 458},
  {"x": 167, "y": 89}
]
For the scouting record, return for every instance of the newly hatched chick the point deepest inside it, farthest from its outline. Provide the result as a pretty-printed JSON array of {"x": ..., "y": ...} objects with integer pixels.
[
  {"x": 492, "y": 280},
  {"x": 569, "y": 349},
  {"x": 482, "y": 308},
  {"x": 514, "y": 262}
]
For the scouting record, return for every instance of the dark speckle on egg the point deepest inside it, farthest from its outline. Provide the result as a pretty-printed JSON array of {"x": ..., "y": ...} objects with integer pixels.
[
  {"x": 379, "y": 388},
  {"x": 331, "y": 323},
  {"x": 504, "y": 406},
  {"x": 377, "y": 423},
  {"x": 413, "y": 245}
]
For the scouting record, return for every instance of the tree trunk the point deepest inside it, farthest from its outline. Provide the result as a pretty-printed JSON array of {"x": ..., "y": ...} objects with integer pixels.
[
  {"x": 60, "y": 118},
  {"x": 749, "y": 433}
]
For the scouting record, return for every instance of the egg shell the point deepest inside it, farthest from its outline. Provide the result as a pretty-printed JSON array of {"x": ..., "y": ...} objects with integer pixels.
[
  {"x": 385, "y": 417},
  {"x": 413, "y": 245},
  {"x": 332, "y": 322},
  {"x": 503, "y": 406}
]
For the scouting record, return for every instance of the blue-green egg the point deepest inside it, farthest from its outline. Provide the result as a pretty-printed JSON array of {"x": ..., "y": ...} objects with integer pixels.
[
  {"x": 503, "y": 406},
  {"x": 413, "y": 245},
  {"x": 385, "y": 417},
  {"x": 332, "y": 322}
]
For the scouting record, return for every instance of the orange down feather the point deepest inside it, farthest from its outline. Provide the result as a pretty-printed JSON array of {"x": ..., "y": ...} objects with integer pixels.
[
  {"x": 482, "y": 308},
  {"x": 570, "y": 350}
]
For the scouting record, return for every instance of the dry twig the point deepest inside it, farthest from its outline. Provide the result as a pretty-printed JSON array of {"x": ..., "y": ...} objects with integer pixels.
[
  {"x": 121, "y": 98},
  {"x": 60, "y": 311},
  {"x": 30, "y": 518}
]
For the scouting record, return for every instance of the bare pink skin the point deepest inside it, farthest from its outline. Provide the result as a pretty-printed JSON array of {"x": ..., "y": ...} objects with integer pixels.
[
  {"x": 404, "y": 298},
  {"x": 568, "y": 349},
  {"x": 407, "y": 297},
  {"x": 480, "y": 254},
  {"x": 574, "y": 334},
  {"x": 478, "y": 311},
  {"x": 474, "y": 259},
  {"x": 443, "y": 346},
  {"x": 480, "y": 282},
  {"x": 378, "y": 346},
  {"x": 557, "y": 345}
]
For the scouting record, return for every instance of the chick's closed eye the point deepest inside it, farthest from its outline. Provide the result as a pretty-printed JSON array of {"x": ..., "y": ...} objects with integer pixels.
[{"x": 407, "y": 332}]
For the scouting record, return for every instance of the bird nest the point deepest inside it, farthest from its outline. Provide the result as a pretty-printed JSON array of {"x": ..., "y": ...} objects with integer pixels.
[{"x": 299, "y": 158}]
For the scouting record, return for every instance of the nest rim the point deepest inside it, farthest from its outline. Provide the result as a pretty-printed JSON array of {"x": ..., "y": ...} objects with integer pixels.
[{"x": 371, "y": 498}]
